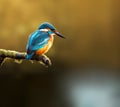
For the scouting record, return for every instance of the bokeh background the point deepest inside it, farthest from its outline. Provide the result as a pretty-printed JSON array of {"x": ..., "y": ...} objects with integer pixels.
[{"x": 93, "y": 42}]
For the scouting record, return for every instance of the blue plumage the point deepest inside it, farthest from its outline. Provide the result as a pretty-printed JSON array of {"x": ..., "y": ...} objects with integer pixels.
[
  {"x": 41, "y": 39},
  {"x": 46, "y": 25},
  {"x": 37, "y": 40}
]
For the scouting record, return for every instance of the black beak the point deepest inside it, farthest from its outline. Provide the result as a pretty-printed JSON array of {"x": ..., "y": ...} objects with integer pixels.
[{"x": 58, "y": 34}]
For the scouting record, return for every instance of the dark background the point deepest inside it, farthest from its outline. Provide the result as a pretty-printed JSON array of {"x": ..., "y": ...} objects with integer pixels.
[{"x": 91, "y": 52}]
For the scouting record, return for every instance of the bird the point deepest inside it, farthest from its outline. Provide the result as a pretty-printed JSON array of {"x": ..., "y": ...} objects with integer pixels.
[{"x": 41, "y": 40}]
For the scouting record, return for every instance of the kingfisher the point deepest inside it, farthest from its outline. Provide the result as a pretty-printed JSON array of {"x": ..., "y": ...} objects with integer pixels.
[{"x": 41, "y": 40}]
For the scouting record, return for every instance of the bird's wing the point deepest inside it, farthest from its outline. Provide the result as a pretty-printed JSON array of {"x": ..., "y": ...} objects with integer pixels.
[{"x": 37, "y": 40}]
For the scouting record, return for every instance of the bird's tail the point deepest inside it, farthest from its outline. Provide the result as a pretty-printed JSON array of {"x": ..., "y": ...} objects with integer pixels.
[{"x": 29, "y": 56}]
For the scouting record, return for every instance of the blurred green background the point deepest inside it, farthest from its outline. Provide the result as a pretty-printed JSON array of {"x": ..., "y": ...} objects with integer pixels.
[{"x": 91, "y": 28}]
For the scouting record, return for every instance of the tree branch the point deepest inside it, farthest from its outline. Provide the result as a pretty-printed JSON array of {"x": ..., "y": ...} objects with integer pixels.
[{"x": 19, "y": 56}]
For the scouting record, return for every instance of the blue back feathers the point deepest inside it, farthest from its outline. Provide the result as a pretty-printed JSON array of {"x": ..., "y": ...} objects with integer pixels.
[{"x": 37, "y": 40}]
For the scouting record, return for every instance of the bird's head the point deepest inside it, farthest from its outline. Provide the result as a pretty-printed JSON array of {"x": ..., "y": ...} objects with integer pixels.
[{"x": 47, "y": 25}]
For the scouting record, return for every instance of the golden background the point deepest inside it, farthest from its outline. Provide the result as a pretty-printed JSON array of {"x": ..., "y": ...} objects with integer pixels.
[
  {"x": 84, "y": 71},
  {"x": 91, "y": 28}
]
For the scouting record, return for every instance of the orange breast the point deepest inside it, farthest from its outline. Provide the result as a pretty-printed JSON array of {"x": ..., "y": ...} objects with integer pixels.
[{"x": 46, "y": 47}]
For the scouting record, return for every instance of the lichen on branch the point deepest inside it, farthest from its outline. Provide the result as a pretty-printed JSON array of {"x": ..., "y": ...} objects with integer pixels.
[{"x": 19, "y": 56}]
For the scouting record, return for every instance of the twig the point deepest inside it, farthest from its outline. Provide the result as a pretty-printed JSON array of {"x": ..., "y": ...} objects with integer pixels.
[{"x": 19, "y": 56}]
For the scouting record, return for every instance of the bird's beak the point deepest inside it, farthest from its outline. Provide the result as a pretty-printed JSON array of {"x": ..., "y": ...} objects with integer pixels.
[{"x": 58, "y": 34}]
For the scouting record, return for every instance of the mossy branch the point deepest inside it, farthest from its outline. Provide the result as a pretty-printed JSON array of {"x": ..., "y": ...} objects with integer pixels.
[{"x": 19, "y": 56}]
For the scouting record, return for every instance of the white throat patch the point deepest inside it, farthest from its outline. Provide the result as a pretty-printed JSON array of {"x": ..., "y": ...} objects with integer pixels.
[{"x": 44, "y": 30}]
